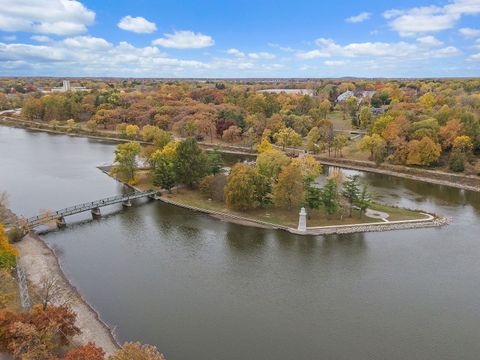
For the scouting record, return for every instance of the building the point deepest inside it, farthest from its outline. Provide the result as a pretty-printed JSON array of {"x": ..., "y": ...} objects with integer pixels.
[
  {"x": 288, "y": 91},
  {"x": 359, "y": 95},
  {"x": 67, "y": 87}
]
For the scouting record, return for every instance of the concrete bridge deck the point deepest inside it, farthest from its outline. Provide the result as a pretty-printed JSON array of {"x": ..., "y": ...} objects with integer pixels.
[{"x": 93, "y": 206}]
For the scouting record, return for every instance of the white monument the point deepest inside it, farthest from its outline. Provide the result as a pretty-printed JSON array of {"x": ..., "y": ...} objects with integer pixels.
[{"x": 302, "y": 220}]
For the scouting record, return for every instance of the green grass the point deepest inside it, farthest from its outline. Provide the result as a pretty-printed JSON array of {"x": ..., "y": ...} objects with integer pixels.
[
  {"x": 397, "y": 214},
  {"x": 286, "y": 217},
  {"x": 339, "y": 123}
]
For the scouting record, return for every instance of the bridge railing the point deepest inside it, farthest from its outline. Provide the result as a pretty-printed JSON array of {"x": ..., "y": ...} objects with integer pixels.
[{"x": 40, "y": 219}]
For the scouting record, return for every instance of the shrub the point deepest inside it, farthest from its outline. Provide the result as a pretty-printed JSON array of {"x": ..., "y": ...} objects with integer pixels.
[{"x": 457, "y": 162}]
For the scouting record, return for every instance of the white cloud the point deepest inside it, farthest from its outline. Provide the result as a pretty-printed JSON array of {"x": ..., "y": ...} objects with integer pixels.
[
  {"x": 41, "y": 38},
  {"x": 427, "y": 19},
  {"x": 359, "y": 18},
  {"x": 335, "y": 62},
  {"x": 235, "y": 52},
  {"x": 185, "y": 40},
  {"x": 283, "y": 48},
  {"x": 429, "y": 41},
  {"x": 445, "y": 52},
  {"x": 86, "y": 55},
  {"x": 475, "y": 57},
  {"x": 87, "y": 42},
  {"x": 313, "y": 54},
  {"x": 138, "y": 25},
  {"x": 328, "y": 47},
  {"x": 60, "y": 17},
  {"x": 261, "y": 56},
  {"x": 469, "y": 32}
]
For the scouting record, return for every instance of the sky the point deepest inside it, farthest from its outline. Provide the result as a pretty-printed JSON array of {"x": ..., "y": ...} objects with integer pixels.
[{"x": 240, "y": 38}]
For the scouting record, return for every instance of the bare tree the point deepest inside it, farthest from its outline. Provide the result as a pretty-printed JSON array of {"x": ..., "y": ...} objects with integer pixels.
[{"x": 51, "y": 292}]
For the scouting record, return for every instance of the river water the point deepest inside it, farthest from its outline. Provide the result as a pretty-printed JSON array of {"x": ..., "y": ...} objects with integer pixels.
[{"x": 199, "y": 288}]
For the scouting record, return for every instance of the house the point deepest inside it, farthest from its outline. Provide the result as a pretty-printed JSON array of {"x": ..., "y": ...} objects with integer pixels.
[
  {"x": 360, "y": 95},
  {"x": 288, "y": 91}
]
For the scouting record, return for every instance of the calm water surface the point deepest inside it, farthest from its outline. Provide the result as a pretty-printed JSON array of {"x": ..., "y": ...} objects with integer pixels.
[{"x": 203, "y": 289}]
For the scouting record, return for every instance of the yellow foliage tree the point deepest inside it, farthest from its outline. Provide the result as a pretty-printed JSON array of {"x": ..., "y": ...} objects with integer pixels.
[
  {"x": 423, "y": 152},
  {"x": 289, "y": 189},
  {"x": 264, "y": 145},
  {"x": 132, "y": 131},
  {"x": 309, "y": 167}
]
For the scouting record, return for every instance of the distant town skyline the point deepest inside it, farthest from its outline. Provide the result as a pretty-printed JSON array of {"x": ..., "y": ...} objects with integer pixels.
[{"x": 261, "y": 39}]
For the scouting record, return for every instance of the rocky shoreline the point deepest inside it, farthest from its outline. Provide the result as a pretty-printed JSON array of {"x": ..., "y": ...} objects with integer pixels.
[{"x": 39, "y": 261}]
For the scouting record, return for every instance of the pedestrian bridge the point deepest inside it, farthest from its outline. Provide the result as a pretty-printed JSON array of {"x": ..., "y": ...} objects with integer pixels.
[{"x": 93, "y": 206}]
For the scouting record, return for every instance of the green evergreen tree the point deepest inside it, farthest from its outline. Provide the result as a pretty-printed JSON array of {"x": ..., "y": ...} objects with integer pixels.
[
  {"x": 364, "y": 200},
  {"x": 329, "y": 197},
  {"x": 215, "y": 161},
  {"x": 351, "y": 191}
]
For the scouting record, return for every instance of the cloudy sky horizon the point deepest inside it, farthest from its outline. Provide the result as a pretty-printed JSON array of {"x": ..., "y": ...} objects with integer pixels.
[{"x": 264, "y": 38}]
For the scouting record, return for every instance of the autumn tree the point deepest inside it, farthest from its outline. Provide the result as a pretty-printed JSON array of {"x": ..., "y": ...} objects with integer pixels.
[
  {"x": 351, "y": 107},
  {"x": 287, "y": 137},
  {"x": 125, "y": 157},
  {"x": 164, "y": 173},
  {"x": 339, "y": 142},
  {"x": 233, "y": 133},
  {"x": 190, "y": 162},
  {"x": 365, "y": 117},
  {"x": 246, "y": 188},
  {"x": 309, "y": 167},
  {"x": 32, "y": 108},
  {"x": 270, "y": 163},
  {"x": 373, "y": 143},
  {"x": 8, "y": 254},
  {"x": 131, "y": 131},
  {"x": 289, "y": 189},
  {"x": 37, "y": 334},
  {"x": 423, "y": 152},
  {"x": 137, "y": 351},
  {"x": 313, "y": 137},
  {"x": 265, "y": 145},
  {"x": 85, "y": 352},
  {"x": 449, "y": 132}
]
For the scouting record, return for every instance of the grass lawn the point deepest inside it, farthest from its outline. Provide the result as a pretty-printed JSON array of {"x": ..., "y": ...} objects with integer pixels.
[
  {"x": 397, "y": 214},
  {"x": 339, "y": 123},
  {"x": 283, "y": 216}
]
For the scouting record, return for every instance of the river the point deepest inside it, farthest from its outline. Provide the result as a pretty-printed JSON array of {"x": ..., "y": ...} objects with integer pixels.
[{"x": 199, "y": 288}]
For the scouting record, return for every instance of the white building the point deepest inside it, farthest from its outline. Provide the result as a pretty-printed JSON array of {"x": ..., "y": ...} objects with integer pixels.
[
  {"x": 288, "y": 91},
  {"x": 67, "y": 87}
]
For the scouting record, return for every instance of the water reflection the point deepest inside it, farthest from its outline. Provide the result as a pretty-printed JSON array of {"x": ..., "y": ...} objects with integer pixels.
[{"x": 203, "y": 288}]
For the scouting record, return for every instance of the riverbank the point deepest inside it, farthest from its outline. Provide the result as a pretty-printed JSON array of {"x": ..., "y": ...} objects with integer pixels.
[
  {"x": 459, "y": 181},
  {"x": 39, "y": 262},
  {"x": 406, "y": 219}
]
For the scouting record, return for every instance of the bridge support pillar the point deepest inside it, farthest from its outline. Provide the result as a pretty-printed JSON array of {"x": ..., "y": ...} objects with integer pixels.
[
  {"x": 96, "y": 213},
  {"x": 127, "y": 203},
  {"x": 61, "y": 222}
]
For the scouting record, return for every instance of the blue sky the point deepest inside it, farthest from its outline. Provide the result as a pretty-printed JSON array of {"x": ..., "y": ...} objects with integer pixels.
[{"x": 242, "y": 38}]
